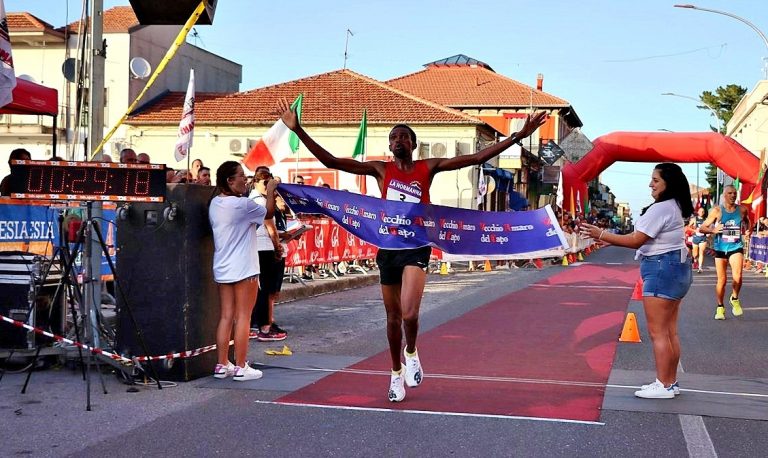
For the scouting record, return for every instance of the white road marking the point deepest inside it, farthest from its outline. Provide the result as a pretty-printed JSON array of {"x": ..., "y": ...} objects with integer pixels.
[
  {"x": 696, "y": 436},
  {"x": 427, "y": 412}
]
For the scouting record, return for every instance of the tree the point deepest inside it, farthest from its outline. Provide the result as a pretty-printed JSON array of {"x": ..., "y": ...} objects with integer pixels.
[{"x": 723, "y": 101}]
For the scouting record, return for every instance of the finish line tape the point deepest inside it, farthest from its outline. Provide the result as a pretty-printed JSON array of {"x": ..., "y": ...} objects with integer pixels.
[{"x": 116, "y": 357}]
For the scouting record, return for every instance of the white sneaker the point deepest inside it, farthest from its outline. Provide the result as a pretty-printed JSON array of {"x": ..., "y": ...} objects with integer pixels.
[
  {"x": 222, "y": 371},
  {"x": 655, "y": 390},
  {"x": 245, "y": 373},
  {"x": 675, "y": 387},
  {"x": 413, "y": 372},
  {"x": 396, "y": 388}
]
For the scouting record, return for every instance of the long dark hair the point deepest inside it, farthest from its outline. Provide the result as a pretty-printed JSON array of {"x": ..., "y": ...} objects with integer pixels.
[
  {"x": 676, "y": 187},
  {"x": 223, "y": 173}
]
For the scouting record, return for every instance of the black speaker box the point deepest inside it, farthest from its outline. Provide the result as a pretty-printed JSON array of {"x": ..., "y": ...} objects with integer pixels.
[
  {"x": 167, "y": 12},
  {"x": 20, "y": 301},
  {"x": 164, "y": 266}
]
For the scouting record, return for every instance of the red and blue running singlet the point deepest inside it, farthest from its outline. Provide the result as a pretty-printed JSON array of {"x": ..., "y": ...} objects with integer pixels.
[{"x": 406, "y": 187}]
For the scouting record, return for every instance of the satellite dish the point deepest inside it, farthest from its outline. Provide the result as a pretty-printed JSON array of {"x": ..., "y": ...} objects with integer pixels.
[
  {"x": 68, "y": 69},
  {"x": 139, "y": 67},
  {"x": 438, "y": 150},
  {"x": 490, "y": 183}
]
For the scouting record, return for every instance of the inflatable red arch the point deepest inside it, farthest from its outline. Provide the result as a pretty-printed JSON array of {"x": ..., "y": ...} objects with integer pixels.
[{"x": 655, "y": 147}]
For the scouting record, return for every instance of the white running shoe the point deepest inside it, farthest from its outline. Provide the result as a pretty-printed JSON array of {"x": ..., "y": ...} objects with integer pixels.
[
  {"x": 396, "y": 388},
  {"x": 655, "y": 390},
  {"x": 223, "y": 371},
  {"x": 245, "y": 373},
  {"x": 675, "y": 387},
  {"x": 412, "y": 367}
]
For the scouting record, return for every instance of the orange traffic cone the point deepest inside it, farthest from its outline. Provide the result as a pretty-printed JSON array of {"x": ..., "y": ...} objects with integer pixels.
[
  {"x": 637, "y": 294},
  {"x": 630, "y": 333},
  {"x": 487, "y": 266}
]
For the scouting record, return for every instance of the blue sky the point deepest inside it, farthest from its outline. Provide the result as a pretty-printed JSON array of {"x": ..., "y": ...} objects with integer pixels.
[{"x": 610, "y": 59}]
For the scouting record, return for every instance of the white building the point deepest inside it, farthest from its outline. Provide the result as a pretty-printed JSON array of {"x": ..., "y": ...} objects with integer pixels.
[
  {"x": 39, "y": 52},
  {"x": 749, "y": 123}
]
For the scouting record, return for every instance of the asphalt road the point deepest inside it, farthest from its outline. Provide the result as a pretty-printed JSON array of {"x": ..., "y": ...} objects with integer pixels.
[{"x": 192, "y": 419}]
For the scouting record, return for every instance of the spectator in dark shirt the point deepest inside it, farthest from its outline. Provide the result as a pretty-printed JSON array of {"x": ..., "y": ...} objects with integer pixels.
[{"x": 20, "y": 154}]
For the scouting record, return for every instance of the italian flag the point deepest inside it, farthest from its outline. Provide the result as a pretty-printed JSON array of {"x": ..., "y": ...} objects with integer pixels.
[{"x": 276, "y": 144}]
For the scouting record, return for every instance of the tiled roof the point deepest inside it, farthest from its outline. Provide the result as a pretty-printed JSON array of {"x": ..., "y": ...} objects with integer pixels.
[
  {"x": 336, "y": 97},
  {"x": 116, "y": 20},
  {"x": 466, "y": 86},
  {"x": 25, "y": 22}
]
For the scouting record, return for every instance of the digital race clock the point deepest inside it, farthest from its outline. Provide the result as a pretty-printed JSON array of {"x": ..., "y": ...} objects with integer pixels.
[{"x": 97, "y": 181}]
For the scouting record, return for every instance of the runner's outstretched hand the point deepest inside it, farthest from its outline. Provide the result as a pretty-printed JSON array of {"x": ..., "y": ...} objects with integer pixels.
[
  {"x": 287, "y": 115},
  {"x": 531, "y": 124}
]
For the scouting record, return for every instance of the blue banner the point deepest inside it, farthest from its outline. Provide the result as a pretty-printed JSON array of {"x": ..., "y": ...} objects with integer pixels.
[
  {"x": 758, "y": 249},
  {"x": 398, "y": 225},
  {"x": 34, "y": 228}
]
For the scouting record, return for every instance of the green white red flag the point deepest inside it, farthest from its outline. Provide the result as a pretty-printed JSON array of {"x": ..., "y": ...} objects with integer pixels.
[{"x": 276, "y": 144}]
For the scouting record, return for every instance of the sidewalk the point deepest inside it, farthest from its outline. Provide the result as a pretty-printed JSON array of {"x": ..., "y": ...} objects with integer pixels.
[{"x": 308, "y": 288}]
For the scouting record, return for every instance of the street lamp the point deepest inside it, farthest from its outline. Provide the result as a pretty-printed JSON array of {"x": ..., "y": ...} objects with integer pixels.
[
  {"x": 741, "y": 19},
  {"x": 719, "y": 129},
  {"x": 698, "y": 100}
]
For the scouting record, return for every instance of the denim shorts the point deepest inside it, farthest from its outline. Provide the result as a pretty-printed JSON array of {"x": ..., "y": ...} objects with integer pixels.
[{"x": 665, "y": 275}]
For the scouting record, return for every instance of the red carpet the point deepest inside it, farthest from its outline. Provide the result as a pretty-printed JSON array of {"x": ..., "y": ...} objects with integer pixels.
[{"x": 544, "y": 351}]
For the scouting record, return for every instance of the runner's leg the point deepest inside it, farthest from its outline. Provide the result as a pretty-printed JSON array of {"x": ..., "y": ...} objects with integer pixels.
[
  {"x": 721, "y": 266},
  {"x": 414, "y": 279},
  {"x": 391, "y": 296},
  {"x": 736, "y": 262}
]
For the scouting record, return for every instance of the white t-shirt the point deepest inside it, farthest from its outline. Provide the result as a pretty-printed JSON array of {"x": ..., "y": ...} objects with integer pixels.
[
  {"x": 663, "y": 223},
  {"x": 234, "y": 221},
  {"x": 263, "y": 241}
]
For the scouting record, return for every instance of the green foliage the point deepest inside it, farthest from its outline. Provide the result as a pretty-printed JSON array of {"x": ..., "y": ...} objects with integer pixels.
[{"x": 723, "y": 101}]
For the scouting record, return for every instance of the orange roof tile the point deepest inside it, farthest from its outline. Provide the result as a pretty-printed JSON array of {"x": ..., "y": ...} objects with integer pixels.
[
  {"x": 333, "y": 98},
  {"x": 116, "y": 20},
  {"x": 25, "y": 22},
  {"x": 465, "y": 86}
]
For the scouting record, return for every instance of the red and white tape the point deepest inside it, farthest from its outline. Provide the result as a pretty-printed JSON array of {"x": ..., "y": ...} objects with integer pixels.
[
  {"x": 94, "y": 350},
  {"x": 99, "y": 351}
]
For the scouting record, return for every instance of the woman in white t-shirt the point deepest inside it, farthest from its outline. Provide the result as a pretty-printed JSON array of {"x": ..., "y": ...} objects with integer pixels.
[
  {"x": 234, "y": 219},
  {"x": 665, "y": 267}
]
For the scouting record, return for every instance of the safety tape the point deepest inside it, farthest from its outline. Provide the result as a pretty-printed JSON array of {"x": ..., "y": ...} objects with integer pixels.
[
  {"x": 58, "y": 338},
  {"x": 116, "y": 357}
]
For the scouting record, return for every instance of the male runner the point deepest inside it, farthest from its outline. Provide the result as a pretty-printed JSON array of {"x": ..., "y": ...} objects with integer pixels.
[
  {"x": 728, "y": 222},
  {"x": 403, "y": 272}
]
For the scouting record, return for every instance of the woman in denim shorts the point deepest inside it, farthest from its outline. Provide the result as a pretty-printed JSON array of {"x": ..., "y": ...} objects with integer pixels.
[{"x": 665, "y": 267}]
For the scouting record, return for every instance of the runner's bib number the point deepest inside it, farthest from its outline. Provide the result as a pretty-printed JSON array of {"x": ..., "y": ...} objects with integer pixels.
[
  {"x": 731, "y": 234},
  {"x": 397, "y": 190}
]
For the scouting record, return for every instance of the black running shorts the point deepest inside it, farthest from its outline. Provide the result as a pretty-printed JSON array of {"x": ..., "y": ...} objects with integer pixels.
[{"x": 392, "y": 262}]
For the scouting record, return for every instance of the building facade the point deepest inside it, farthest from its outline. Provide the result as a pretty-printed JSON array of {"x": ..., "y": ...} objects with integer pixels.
[{"x": 40, "y": 51}]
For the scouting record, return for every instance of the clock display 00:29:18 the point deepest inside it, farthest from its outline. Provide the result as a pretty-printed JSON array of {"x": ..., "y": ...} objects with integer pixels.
[{"x": 75, "y": 180}]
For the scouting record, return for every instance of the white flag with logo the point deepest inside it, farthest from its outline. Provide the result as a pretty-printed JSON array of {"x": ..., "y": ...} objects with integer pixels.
[
  {"x": 482, "y": 187},
  {"x": 187, "y": 124},
  {"x": 560, "y": 194},
  {"x": 7, "y": 75}
]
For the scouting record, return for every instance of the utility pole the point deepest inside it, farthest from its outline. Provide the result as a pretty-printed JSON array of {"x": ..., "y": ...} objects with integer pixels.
[{"x": 98, "y": 50}]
